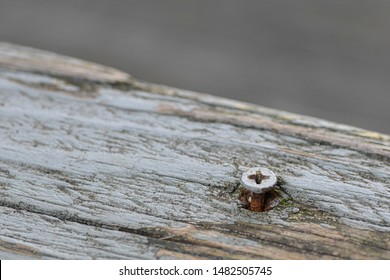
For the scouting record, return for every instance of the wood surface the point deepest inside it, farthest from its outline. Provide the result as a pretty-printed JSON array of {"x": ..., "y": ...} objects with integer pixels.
[{"x": 95, "y": 164}]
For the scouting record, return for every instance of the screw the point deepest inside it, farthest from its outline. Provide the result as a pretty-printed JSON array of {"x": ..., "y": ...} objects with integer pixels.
[{"x": 256, "y": 181}]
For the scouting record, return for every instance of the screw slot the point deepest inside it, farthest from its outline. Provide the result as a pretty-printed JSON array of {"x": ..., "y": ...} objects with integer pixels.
[{"x": 258, "y": 177}]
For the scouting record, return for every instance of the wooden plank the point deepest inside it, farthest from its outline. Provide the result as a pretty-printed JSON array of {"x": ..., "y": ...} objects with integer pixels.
[{"x": 158, "y": 169}]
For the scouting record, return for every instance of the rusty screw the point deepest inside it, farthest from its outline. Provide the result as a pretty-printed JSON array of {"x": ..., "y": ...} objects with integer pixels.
[{"x": 257, "y": 181}]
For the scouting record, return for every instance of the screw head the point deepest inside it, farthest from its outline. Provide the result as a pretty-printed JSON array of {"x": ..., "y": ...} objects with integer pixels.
[{"x": 258, "y": 179}]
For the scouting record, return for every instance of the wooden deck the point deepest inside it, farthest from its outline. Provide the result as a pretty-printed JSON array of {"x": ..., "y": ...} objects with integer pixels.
[{"x": 95, "y": 164}]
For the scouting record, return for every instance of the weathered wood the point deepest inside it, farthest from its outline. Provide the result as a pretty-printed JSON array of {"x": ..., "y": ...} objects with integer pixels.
[{"x": 95, "y": 164}]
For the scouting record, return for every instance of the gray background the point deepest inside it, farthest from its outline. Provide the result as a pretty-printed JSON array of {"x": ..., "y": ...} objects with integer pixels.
[{"x": 328, "y": 59}]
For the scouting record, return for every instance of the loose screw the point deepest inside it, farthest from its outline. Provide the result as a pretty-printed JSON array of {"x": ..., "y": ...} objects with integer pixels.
[{"x": 257, "y": 181}]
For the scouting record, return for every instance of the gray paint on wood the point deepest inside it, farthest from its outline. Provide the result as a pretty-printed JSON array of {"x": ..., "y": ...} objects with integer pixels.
[
  {"x": 156, "y": 169},
  {"x": 48, "y": 237}
]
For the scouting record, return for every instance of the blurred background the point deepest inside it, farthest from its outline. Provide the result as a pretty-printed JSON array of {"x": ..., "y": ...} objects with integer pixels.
[{"x": 329, "y": 59}]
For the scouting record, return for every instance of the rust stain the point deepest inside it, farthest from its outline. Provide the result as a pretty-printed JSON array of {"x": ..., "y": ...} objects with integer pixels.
[
  {"x": 164, "y": 107},
  {"x": 214, "y": 243},
  {"x": 19, "y": 249},
  {"x": 85, "y": 90},
  {"x": 164, "y": 253},
  {"x": 259, "y": 202}
]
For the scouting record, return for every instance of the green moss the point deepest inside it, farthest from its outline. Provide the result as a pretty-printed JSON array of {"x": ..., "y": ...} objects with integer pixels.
[{"x": 286, "y": 202}]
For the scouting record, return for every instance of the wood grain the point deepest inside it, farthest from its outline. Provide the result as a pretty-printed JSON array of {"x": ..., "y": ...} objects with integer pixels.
[{"x": 96, "y": 164}]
